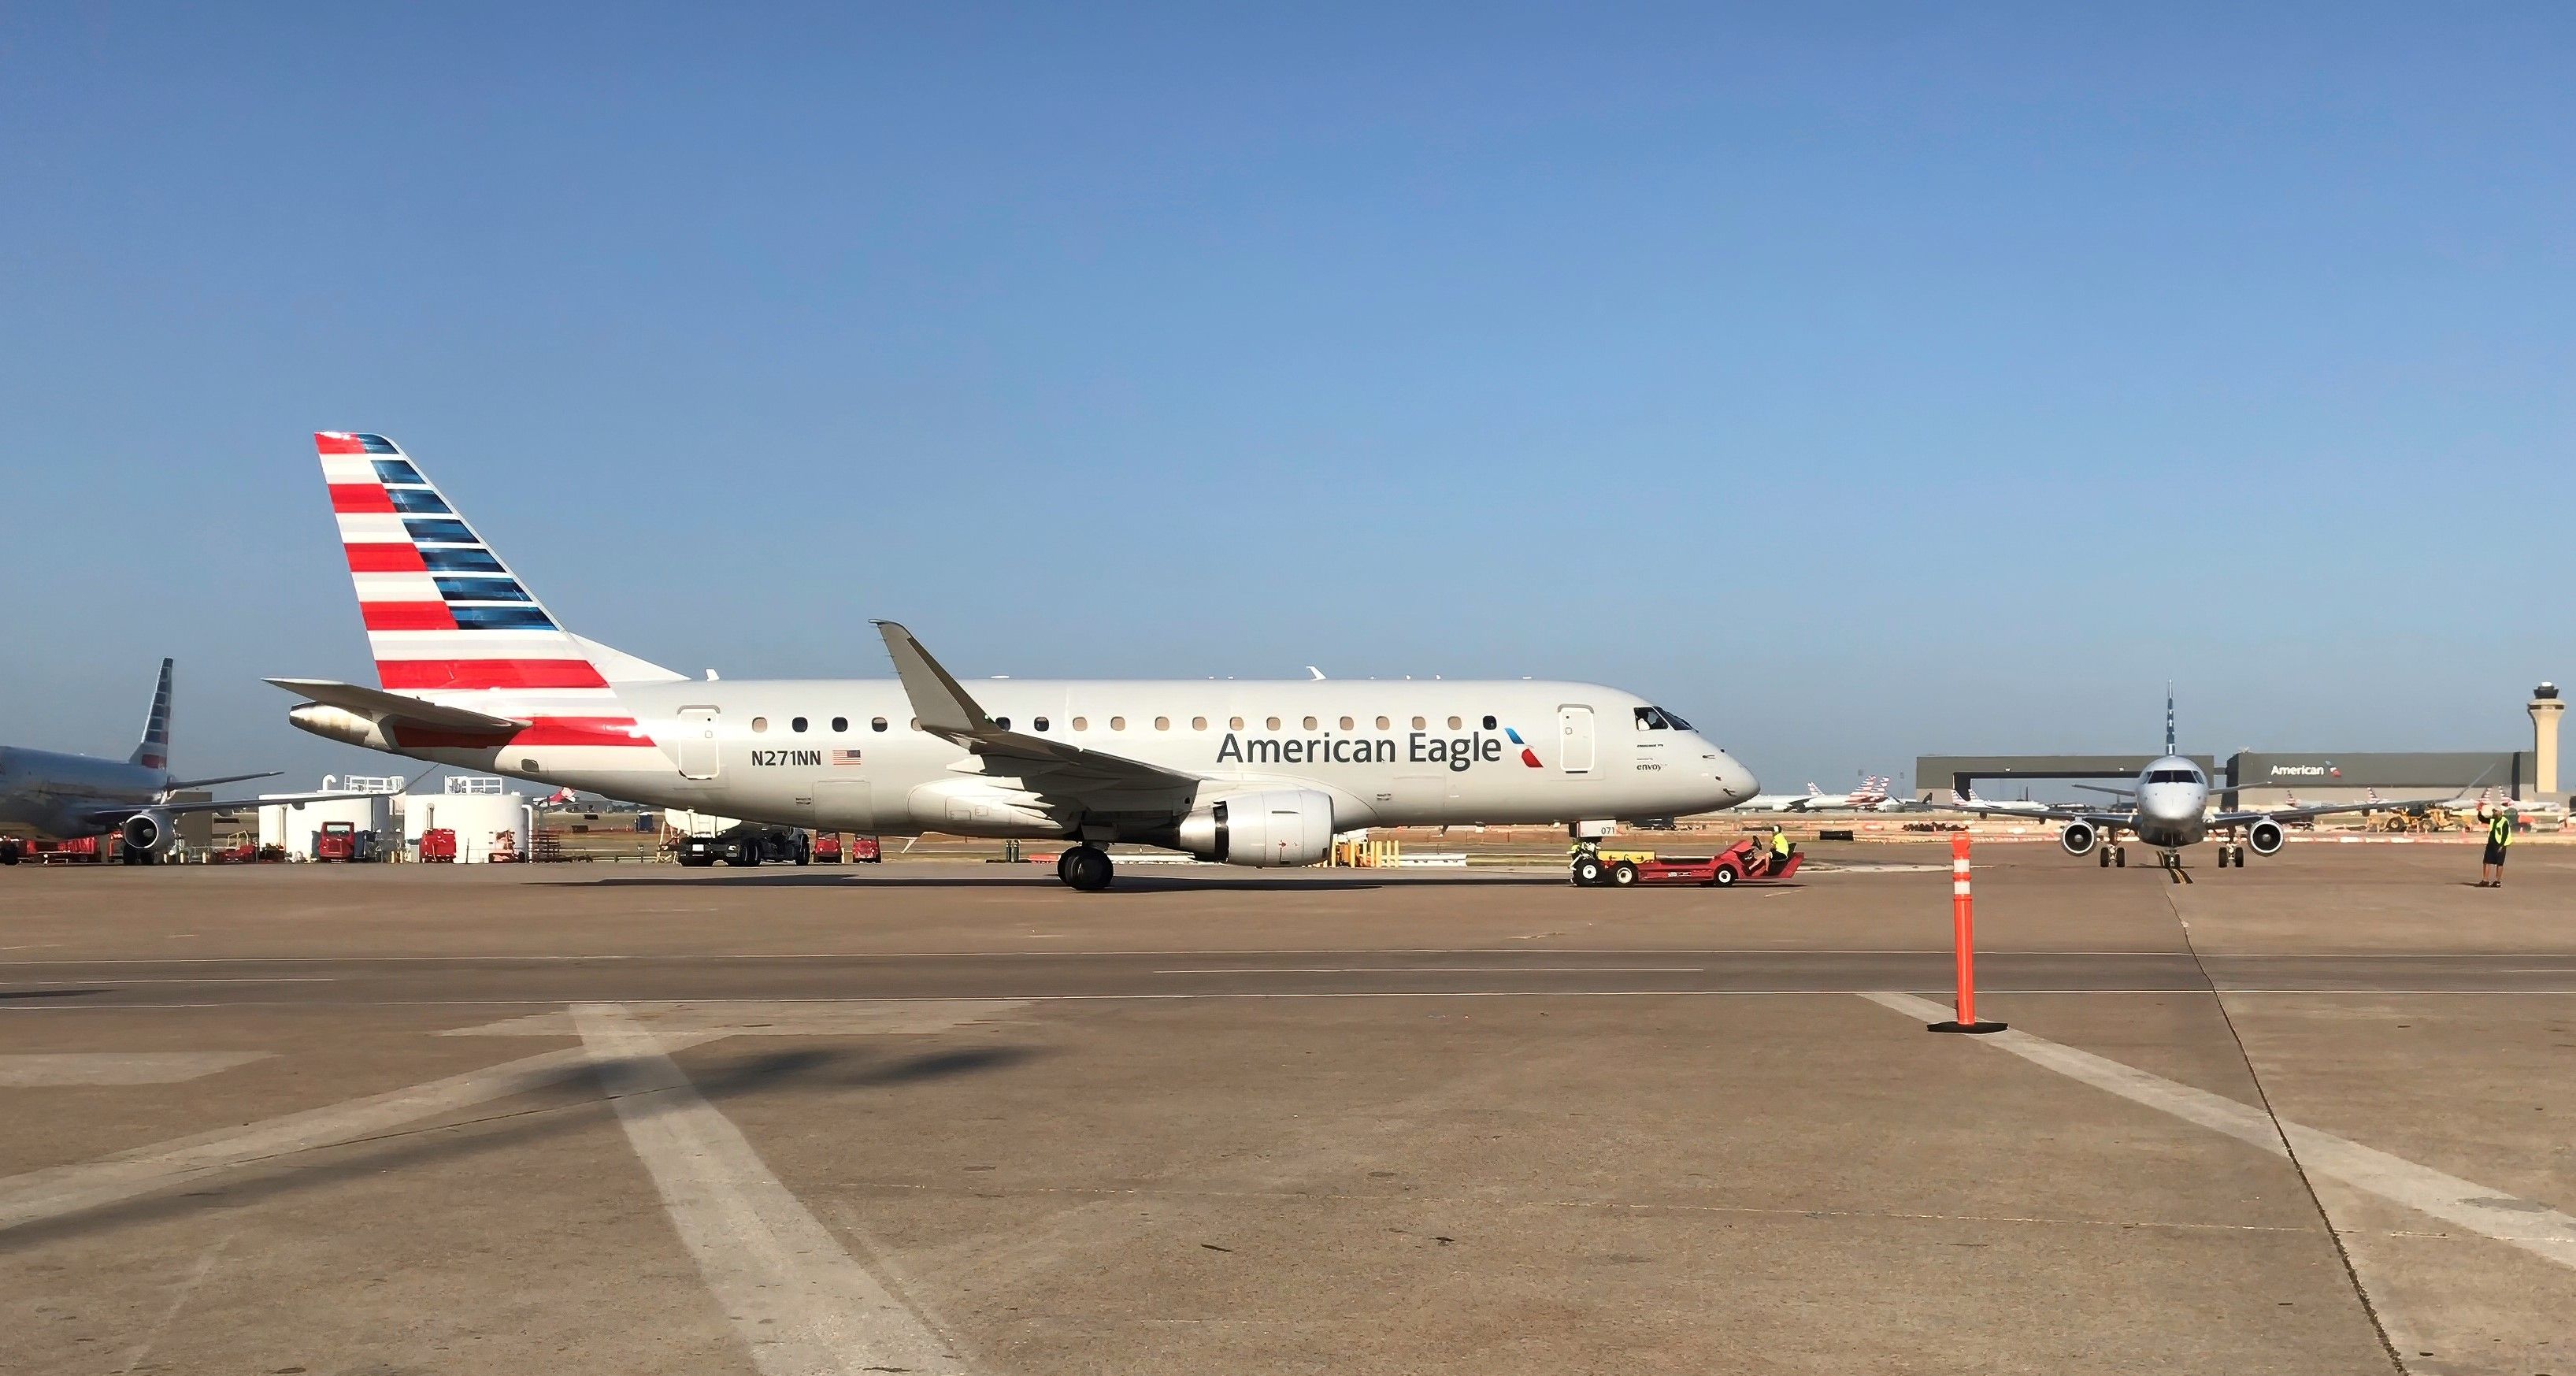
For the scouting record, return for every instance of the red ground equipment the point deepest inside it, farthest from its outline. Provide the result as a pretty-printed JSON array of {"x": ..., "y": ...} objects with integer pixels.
[
  {"x": 1741, "y": 863},
  {"x": 865, "y": 851},
  {"x": 343, "y": 841},
  {"x": 827, "y": 848},
  {"x": 438, "y": 846}
]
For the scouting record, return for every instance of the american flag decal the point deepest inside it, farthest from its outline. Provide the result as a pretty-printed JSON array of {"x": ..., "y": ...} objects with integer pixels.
[{"x": 845, "y": 757}]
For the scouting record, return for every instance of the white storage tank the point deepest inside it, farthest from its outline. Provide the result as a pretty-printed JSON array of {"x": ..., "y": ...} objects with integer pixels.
[{"x": 479, "y": 811}]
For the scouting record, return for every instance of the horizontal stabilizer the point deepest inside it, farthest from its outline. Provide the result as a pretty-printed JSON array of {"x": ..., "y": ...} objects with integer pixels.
[{"x": 380, "y": 706}]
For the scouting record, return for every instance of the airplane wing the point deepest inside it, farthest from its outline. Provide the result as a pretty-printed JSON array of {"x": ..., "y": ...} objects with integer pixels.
[
  {"x": 111, "y": 816},
  {"x": 177, "y": 784},
  {"x": 378, "y": 705},
  {"x": 2106, "y": 788},
  {"x": 947, "y": 711},
  {"x": 2050, "y": 812},
  {"x": 2304, "y": 811}
]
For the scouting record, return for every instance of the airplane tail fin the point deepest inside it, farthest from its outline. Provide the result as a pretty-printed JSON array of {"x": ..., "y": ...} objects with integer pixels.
[
  {"x": 2169, "y": 720},
  {"x": 444, "y": 614},
  {"x": 153, "y": 751}
]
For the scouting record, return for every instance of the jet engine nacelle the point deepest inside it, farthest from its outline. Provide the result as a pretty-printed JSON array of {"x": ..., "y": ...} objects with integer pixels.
[
  {"x": 2079, "y": 838},
  {"x": 1288, "y": 827},
  {"x": 148, "y": 832},
  {"x": 2265, "y": 837}
]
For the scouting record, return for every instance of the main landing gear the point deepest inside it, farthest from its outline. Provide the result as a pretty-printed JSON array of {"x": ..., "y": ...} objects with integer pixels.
[
  {"x": 1085, "y": 867},
  {"x": 2115, "y": 855},
  {"x": 2231, "y": 854}
]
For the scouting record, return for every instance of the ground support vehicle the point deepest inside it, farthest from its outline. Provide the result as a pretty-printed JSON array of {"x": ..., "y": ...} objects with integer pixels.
[
  {"x": 749, "y": 843},
  {"x": 1741, "y": 863}
]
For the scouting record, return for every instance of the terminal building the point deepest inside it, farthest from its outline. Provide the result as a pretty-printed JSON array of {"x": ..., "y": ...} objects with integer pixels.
[{"x": 2257, "y": 779}]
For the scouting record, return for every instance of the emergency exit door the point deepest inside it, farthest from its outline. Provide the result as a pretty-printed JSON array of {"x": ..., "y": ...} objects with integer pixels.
[
  {"x": 1574, "y": 739},
  {"x": 698, "y": 758}
]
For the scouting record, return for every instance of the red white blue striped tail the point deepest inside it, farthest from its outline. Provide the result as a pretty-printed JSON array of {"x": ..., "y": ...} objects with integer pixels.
[{"x": 446, "y": 618}]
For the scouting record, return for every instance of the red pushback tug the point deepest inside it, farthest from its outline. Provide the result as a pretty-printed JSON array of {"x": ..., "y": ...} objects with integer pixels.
[{"x": 1741, "y": 863}]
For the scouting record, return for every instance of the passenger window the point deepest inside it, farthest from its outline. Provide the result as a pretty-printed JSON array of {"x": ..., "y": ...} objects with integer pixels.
[
  {"x": 1310, "y": 723},
  {"x": 1117, "y": 723},
  {"x": 796, "y": 725},
  {"x": 1162, "y": 723},
  {"x": 1082, "y": 723},
  {"x": 1198, "y": 723},
  {"x": 1419, "y": 723},
  {"x": 840, "y": 724},
  {"x": 916, "y": 723},
  {"x": 1455, "y": 723},
  {"x": 1040, "y": 723},
  {"x": 1272, "y": 723},
  {"x": 759, "y": 724},
  {"x": 1381, "y": 723},
  {"x": 1489, "y": 722},
  {"x": 1234, "y": 723},
  {"x": 1346, "y": 723},
  {"x": 876, "y": 723},
  {"x": 1002, "y": 722}
]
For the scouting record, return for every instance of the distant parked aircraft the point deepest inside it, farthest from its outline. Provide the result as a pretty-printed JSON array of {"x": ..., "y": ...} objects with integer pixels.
[{"x": 60, "y": 797}]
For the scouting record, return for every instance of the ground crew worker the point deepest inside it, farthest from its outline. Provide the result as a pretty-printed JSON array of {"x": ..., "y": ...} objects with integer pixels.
[
  {"x": 2499, "y": 837},
  {"x": 1779, "y": 849}
]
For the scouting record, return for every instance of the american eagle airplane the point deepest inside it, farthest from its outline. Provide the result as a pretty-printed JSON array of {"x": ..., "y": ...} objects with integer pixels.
[{"x": 473, "y": 671}]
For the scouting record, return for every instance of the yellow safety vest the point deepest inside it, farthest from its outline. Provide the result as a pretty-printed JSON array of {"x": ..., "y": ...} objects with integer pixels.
[
  {"x": 2500, "y": 829},
  {"x": 1779, "y": 843}
]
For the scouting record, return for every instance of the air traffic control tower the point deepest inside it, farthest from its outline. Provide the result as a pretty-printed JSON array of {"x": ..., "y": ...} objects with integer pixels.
[{"x": 2545, "y": 708}]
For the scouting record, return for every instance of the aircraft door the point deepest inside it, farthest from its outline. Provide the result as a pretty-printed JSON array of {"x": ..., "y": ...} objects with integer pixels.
[
  {"x": 1574, "y": 739},
  {"x": 698, "y": 758}
]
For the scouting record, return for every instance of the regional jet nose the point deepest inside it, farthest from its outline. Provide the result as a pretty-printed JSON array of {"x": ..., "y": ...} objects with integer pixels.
[{"x": 1735, "y": 783}]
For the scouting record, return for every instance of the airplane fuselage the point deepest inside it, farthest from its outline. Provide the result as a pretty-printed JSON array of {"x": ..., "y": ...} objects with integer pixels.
[
  {"x": 842, "y": 754},
  {"x": 2172, "y": 804},
  {"x": 53, "y": 796}
]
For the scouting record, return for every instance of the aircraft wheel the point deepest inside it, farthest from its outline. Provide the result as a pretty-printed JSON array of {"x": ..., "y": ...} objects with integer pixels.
[
  {"x": 2106, "y": 857},
  {"x": 805, "y": 849},
  {"x": 2120, "y": 858},
  {"x": 1087, "y": 868},
  {"x": 1725, "y": 877},
  {"x": 1589, "y": 872},
  {"x": 1067, "y": 854},
  {"x": 1623, "y": 875}
]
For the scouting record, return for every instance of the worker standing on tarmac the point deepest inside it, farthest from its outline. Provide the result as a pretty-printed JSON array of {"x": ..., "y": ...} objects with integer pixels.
[
  {"x": 2499, "y": 838},
  {"x": 1779, "y": 849}
]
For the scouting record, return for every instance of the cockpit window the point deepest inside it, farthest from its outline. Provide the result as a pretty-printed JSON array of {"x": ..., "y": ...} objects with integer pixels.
[
  {"x": 2173, "y": 776},
  {"x": 1657, "y": 719}
]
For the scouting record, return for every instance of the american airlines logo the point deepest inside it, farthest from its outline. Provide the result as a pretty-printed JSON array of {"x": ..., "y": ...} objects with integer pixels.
[{"x": 2305, "y": 771}]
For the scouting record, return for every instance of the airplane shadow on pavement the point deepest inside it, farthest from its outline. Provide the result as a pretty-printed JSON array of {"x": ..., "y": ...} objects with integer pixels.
[{"x": 574, "y": 1100}]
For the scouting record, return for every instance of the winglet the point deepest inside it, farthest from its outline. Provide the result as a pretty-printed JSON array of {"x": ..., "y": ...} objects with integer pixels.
[{"x": 937, "y": 699}]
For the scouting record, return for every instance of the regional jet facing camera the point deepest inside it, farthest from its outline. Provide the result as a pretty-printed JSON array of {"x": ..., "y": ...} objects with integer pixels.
[
  {"x": 474, "y": 671},
  {"x": 59, "y": 797},
  {"x": 2169, "y": 809}
]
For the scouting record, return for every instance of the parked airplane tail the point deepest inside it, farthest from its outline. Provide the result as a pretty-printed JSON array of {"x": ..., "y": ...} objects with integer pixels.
[
  {"x": 444, "y": 615},
  {"x": 153, "y": 751}
]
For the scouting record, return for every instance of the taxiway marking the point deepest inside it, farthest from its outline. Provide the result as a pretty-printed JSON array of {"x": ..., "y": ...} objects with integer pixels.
[
  {"x": 799, "y": 1302},
  {"x": 2533, "y": 1227},
  {"x": 47, "y": 1069}
]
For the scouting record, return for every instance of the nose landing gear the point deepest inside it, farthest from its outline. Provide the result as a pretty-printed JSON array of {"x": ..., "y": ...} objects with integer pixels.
[{"x": 2173, "y": 866}]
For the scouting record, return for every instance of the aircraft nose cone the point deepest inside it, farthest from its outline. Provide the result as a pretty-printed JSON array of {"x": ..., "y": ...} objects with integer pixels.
[{"x": 1734, "y": 781}]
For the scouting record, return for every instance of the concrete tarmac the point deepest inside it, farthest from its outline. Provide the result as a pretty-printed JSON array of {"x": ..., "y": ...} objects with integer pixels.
[{"x": 2309, "y": 1117}]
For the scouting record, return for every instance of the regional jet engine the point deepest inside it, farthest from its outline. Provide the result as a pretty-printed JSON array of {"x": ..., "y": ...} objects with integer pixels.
[
  {"x": 2265, "y": 837},
  {"x": 2078, "y": 838},
  {"x": 147, "y": 833},
  {"x": 1288, "y": 827}
]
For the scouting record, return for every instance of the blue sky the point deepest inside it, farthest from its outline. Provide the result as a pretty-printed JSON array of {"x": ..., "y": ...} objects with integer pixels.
[{"x": 1861, "y": 382}]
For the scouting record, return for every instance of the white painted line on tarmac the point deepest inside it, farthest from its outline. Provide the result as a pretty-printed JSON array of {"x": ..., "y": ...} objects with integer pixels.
[
  {"x": 2533, "y": 1227},
  {"x": 1439, "y": 970},
  {"x": 57, "y": 1068},
  {"x": 799, "y": 1302}
]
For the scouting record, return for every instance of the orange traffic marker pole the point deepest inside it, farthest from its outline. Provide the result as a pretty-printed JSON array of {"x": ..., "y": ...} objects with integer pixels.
[{"x": 1963, "y": 932}]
